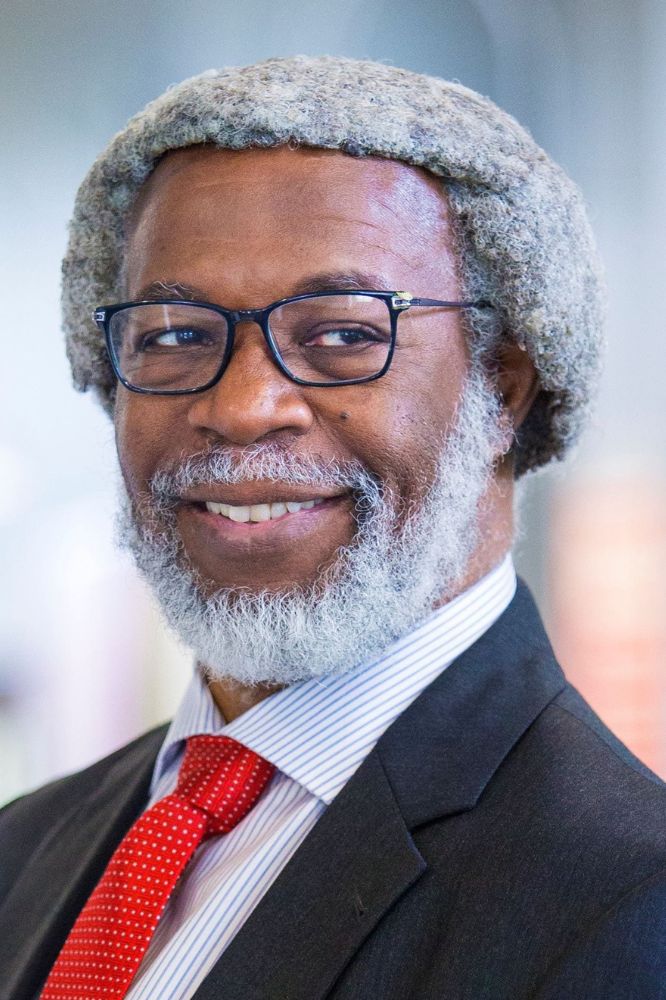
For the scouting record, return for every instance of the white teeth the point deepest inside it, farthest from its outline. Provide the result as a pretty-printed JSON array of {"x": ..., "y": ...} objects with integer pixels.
[
  {"x": 260, "y": 511},
  {"x": 241, "y": 514}
]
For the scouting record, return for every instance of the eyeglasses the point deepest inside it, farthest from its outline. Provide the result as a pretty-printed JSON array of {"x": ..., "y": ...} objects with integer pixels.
[{"x": 173, "y": 347}]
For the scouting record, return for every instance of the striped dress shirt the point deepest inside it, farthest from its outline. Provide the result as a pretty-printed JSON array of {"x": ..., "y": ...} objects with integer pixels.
[{"x": 317, "y": 733}]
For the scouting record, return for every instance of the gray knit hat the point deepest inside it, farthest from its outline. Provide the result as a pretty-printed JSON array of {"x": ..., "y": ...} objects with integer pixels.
[{"x": 524, "y": 239}]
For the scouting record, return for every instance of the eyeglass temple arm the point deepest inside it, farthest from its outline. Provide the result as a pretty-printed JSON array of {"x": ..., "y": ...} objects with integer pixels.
[
  {"x": 403, "y": 301},
  {"x": 478, "y": 304}
]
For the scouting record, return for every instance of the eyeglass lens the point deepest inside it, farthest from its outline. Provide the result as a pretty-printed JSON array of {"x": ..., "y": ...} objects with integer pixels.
[{"x": 179, "y": 346}]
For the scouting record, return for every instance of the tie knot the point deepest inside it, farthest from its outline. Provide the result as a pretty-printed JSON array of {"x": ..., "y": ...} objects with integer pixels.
[{"x": 221, "y": 778}]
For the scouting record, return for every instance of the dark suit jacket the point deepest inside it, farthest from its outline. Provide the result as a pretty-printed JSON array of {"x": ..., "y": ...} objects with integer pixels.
[{"x": 497, "y": 844}]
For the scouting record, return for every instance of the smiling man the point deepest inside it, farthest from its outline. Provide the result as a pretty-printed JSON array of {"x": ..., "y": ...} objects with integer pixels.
[
  {"x": 386, "y": 473},
  {"x": 335, "y": 309}
]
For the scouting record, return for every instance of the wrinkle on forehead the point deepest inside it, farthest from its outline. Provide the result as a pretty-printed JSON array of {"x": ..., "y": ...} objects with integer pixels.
[
  {"x": 403, "y": 208},
  {"x": 396, "y": 187}
]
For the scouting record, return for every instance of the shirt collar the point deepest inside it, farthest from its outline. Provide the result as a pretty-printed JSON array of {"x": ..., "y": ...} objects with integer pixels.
[{"x": 319, "y": 731}]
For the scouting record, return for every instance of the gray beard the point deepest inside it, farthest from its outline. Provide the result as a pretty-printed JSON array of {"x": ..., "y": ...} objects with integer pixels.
[{"x": 399, "y": 565}]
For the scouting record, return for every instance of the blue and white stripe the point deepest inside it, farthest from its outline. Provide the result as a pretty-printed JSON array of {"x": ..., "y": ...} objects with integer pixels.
[{"x": 317, "y": 733}]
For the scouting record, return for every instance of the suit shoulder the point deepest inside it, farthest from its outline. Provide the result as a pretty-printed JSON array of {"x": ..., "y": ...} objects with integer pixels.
[
  {"x": 569, "y": 827},
  {"x": 65, "y": 792},
  {"x": 571, "y": 702},
  {"x": 590, "y": 791},
  {"x": 22, "y": 820}
]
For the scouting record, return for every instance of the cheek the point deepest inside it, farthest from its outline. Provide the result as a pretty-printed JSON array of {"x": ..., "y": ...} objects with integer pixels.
[
  {"x": 426, "y": 388},
  {"x": 398, "y": 425},
  {"x": 146, "y": 436}
]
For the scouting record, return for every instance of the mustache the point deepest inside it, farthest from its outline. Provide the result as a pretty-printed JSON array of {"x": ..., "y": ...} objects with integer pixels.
[{"x": 263, "y": 462}]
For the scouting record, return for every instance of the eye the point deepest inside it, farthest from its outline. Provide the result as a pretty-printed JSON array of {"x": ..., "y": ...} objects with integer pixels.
[
  {"x": 177, "y": 337},
  {"x": 345, "y": 336}
]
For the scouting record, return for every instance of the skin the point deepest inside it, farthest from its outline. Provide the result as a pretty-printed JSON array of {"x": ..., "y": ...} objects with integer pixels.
[{"x": 243, "y": 229}]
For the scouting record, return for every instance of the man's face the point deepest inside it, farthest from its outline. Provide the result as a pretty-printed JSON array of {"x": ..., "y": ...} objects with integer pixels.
[{"x": 242, "y": 229}]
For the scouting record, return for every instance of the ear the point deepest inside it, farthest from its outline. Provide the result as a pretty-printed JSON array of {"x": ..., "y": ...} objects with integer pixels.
[
  {"x": 517, "y": 383},
  {"x": 518, "y": 386}
]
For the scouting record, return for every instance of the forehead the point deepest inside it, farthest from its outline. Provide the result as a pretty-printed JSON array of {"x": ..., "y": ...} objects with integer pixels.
[{"x": 285, "y": 209}]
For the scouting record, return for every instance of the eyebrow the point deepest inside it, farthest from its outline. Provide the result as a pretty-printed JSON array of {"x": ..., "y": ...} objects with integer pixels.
[
  {"x": 322, "y": 281},
  {"x": 171, "y": 290},
  {"x": 325, "y": 281}
]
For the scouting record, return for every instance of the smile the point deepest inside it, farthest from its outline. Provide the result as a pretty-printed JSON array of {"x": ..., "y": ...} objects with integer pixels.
[
  {"x": 261, "y": 511},
  {"x": 277, "y": 529}
]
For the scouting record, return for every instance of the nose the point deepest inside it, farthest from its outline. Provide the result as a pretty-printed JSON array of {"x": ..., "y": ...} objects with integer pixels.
[{"x": 253, "y": 400}]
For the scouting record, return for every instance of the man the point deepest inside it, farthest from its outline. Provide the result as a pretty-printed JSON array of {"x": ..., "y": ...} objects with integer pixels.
[{"x": 338, "y": 309}]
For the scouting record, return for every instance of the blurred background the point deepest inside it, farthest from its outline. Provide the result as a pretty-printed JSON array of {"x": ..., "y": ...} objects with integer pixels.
[{"x": 85, "y": 664}]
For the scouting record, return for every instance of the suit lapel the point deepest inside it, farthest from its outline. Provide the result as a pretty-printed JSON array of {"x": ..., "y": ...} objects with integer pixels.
[
  {"x": 354, "y": 864},
  {"x": 52, "y": 889},
  {"x": 433, "y": 762},
  {"x": 441, "y": 753}
]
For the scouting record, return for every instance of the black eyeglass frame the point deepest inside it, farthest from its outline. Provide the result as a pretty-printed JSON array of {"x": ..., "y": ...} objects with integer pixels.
[{"x": 396, "y": 302}]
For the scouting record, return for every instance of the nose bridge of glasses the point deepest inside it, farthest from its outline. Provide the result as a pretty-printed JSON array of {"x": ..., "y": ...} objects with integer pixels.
[
  {"x": 259, "y": 317},
  {"x": 238, "y": 316}
]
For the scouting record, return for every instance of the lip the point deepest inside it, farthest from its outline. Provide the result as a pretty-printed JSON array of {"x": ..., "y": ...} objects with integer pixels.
[{"x": 238, "y": 537}]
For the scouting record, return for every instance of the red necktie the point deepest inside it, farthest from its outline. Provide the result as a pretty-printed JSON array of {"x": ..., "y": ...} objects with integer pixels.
[{"x": 218, "y": 783}]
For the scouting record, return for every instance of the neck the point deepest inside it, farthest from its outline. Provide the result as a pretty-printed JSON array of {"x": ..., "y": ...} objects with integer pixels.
[{"x": 233, "y": 698}]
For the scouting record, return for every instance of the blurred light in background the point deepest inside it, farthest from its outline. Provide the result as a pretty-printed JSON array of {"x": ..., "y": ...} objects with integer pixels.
[
  {"x": 84, "y": 662},
  {"x": 608, "y": 552}
]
